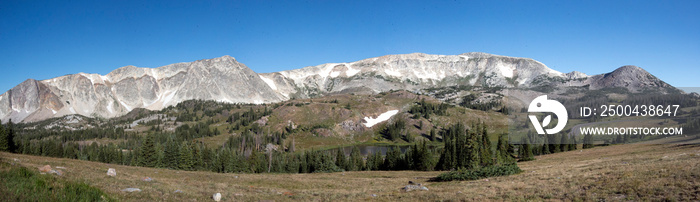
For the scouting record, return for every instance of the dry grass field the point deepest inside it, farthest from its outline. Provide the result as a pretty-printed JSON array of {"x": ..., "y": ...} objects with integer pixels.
[{"x": 621, "y": 172}]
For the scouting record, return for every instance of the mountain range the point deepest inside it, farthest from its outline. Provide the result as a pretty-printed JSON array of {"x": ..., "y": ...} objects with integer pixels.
[{"x": 226, "y": 80}]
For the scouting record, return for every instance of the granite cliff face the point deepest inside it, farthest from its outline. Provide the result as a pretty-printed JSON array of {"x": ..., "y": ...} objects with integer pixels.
[
  {"x": 124, "y": 89},
  {"x": 411, "y": 72},
  {"x": 226, "y": 80}
]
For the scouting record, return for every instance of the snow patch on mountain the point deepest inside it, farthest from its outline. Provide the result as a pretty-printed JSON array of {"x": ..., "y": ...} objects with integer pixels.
[
  {"x": 392, "y": 72},
  {"x": 104, "y": 78},
  {"x": 269, "y": 82},
  {"x": 88, "y": 77},
  {"x": 506, "y": 71},
  {"x": 351, "y": 72},
  {"x": 381, "y": 118}
]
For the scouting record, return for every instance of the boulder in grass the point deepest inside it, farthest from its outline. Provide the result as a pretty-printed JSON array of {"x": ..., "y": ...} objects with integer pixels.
[
  {"x": 216, "y": 197},
  {"x": 412, "y": 187},
  {"x": 45, "y": 169},
  {"x": 131, "y": 190},
  {"x": 112, "y": 172},
  {"x": 56, "y": 172}
]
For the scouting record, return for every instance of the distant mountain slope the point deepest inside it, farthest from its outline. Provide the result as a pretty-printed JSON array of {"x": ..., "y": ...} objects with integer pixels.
[
  {"x": 126, "y": 88},
  {"x": 410, "y": 71},
  {"x": 226, "y": 80}
]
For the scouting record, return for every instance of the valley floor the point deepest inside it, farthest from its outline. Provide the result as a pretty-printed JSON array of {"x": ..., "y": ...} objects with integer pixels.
[{"x": 620, "y": 172}]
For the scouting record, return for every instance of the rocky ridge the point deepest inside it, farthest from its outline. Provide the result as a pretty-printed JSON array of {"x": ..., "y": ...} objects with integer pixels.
[{"x": 226, "y": 80}]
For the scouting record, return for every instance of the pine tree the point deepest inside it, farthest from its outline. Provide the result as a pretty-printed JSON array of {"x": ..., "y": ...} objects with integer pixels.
[
  {"x": 525, "y": 150},
  {"x": 433, "y": 135},
  {"x": 171, "y": 154},
  {"x": 4, "y": 144},
  {"x": 473, "y": 150},
  {"x": 587, "y": 141},
  {"x": 186, "y": 161},
  {"x": 485, "y": 149},
  {"x": 356, "y": 160},
  {"x": 160, "y": 155},
  {"x": 407, "y": 160},
  {"x": 503, "y": 156},
  {"x": 148, "y": 152},
  {"x": 564, "y": 146},
  {"x": 340, "y": 159},
  {"x": 393, "y": 156},
  {"x": 573, "y": 144},
  {"x": 10, "y": 130},
  {"x": 198, "y": 155},
  {"x": 423, "y": 158},
  {"x": 304, "y": 164},
  {"x": 452, "y": 141},
  {"x": 553, "y": 144},
  {"x": 545, "y": 146},
  {"x": 7, "y": 142}
]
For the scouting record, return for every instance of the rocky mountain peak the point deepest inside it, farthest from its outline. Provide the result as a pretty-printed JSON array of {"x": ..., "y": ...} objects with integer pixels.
[
  {"x": 575, "y": 75},
  {"x": 629, "y": 76}
]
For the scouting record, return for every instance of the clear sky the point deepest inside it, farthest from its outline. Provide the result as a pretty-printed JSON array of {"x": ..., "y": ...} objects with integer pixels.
[{"x": 42, "y": 40}]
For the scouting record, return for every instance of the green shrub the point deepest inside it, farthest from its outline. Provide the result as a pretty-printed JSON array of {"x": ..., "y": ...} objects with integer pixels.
[{"x": 479, "y": 173}]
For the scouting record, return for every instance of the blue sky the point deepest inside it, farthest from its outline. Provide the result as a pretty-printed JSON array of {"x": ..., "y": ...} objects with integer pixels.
[{"x": 42, "y": 40}]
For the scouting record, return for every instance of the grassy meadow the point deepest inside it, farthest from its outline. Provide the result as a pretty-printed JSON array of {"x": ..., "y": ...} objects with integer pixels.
[{"x": 619, "y": 172}]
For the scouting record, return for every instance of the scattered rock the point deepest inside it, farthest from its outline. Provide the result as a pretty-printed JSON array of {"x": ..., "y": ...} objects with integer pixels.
[
  {"x": 178, "y": 191},
  {"x": 235, "y": 177},
  {"x": 45, "y": 169},
  {"x": 262, "y": 121},
  {"x": 410, "y": 182},
  {"x": 216, "y": 197},
  {"x": 270, "y": 147},
  {"x": 411, "y": 187},
  {"x": 291, "y": 124},
  {"x": 351, "y": 126},
  {"x": 62, "y": 168},
  {"x": 56, "y": 172},
  {"x": 131, "y": 190},
  {"x": 486, "y": 180},
  {"x": 111, "y": 172},
  {"x": 374, "y": 195},
  {"x": 147, "y": 179}
]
